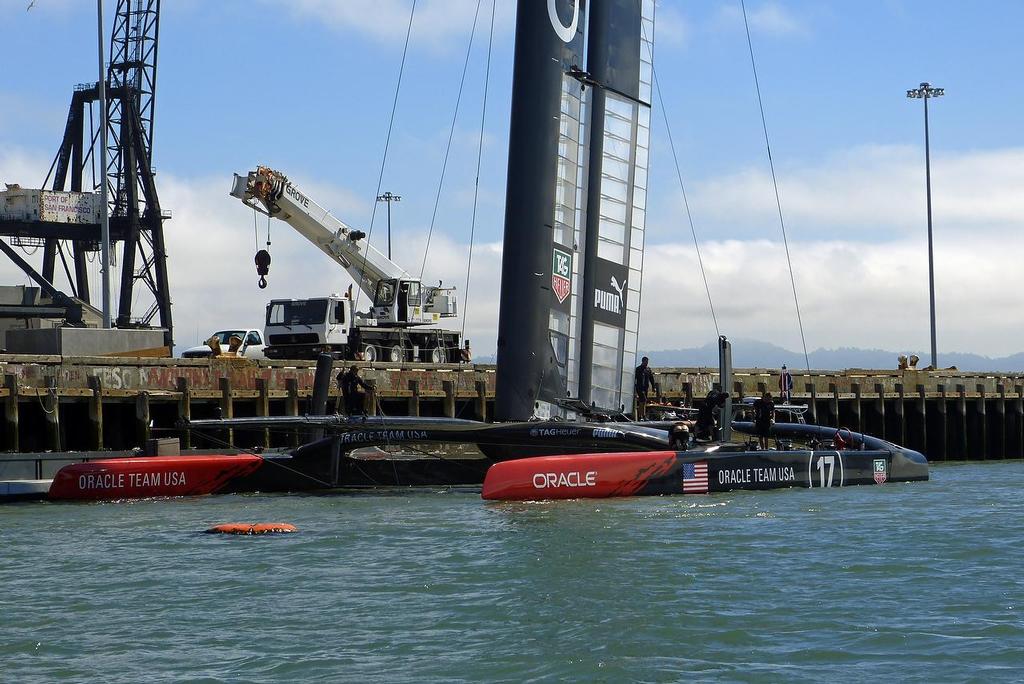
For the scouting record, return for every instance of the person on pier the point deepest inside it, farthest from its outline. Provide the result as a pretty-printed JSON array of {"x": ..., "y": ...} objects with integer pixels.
[
  {"x": 785, "y": 385},
  {"x": 349, "y": 382}
]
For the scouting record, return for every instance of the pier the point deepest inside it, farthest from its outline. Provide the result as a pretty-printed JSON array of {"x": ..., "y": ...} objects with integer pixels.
[{"x": 95, "y": 404}]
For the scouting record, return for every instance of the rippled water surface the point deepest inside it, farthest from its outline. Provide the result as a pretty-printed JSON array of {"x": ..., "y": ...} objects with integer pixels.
[{"x": 899, "y": 582}]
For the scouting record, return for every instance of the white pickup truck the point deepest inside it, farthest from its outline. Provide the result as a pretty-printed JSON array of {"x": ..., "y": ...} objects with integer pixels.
[{"x": 252, "y": 344}]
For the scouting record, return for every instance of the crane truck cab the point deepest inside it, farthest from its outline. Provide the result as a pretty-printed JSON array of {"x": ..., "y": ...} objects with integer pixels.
[
  {"x": 403, "y": 302},
  {"x": 306, "y": 328}
]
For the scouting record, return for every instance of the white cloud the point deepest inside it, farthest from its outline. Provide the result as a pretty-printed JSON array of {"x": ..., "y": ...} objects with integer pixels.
[
  {"x": 436, "y": 21},
  {"x": 852, "y": 292},
  {"x": 866, "y": 193},
  {"x": 771, "y": 18},
  {"x": 670, "y": 26}
]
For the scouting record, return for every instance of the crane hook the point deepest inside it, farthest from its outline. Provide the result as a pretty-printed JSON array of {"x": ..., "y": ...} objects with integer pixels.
[{"x": 262, "y": 267}]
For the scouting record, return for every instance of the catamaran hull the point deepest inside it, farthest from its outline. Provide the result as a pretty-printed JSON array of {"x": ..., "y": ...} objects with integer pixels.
[
  {"x": 688, "y": 472},
  {"x": 152, "y": 476}
]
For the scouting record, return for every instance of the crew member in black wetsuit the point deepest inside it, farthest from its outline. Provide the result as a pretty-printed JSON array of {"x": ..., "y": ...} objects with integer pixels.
[
  {"x": 764, "y": 416},
  {"x": 707, "y": 423},
  {"x": 643, "y": 381},
  {"x": 349, "y": 382}
]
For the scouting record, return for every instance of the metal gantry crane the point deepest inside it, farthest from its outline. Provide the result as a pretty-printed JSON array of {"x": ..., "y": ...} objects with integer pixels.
[{"x": 136, "y": 218}]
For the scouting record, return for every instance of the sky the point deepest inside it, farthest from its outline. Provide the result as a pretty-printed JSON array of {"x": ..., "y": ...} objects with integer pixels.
[{"x": 307, "y": 87}]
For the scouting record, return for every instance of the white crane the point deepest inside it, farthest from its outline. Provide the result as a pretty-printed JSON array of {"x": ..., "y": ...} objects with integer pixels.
[{"x": 398, "y": 298}]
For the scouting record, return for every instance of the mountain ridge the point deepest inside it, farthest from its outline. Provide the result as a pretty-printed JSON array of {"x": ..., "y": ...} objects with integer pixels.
[{"x": 759, "y": 354}]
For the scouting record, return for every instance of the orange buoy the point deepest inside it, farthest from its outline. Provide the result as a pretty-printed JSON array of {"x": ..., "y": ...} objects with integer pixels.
[{"x": 252, "y": 528}]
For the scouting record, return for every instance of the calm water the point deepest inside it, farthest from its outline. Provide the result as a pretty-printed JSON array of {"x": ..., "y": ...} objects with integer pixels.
[{"x": 910, "y": 582}]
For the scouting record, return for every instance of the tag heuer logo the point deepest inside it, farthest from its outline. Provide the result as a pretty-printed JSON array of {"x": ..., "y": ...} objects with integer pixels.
[
  {"x": 561, "y": 274},
  {"x": 879, "y": 468}
]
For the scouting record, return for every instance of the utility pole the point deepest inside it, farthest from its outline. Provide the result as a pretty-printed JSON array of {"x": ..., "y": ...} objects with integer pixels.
[
  {"x": 104, "y": 210},
  {"x": 389, "y": 197},
  {"x": 925, "y": 92}
]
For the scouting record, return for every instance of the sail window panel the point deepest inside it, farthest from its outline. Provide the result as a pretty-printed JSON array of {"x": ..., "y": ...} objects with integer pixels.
[
  {"x": 560, "y": 344},
  {"x": 630, "y": 341},
  {"x": 618, "y": 106},
  {"x": 611, "y": 230},
  {"x": 628, "y": 359},
  {"x": 605, "y": 356},
  {"x": 614, "y": 210},
  {"x": 561, "y": 233},
  {"x": 565, "y": 215},
  {"x": 567, "y": 173},
  {"x": 632, "y": 320},
  {"x": 558, "y": 321},
  {"x": 604, "y": 398},
  {"x": 570, "y": 106},
  {"x": 645, "y": 92},
  {"x": 640, "y": 178},
  {"x": 633, "y": 301},
  {"x": 605, "y": 376},
  {"x": 636, "y": 256},
  {"x": 607, "y": 335},
  {"x": 614, "y": 188},
  {"x": 569, "y": 150},
  {"x": 643, "y": 136},
  {"x": 616, "y": 168},
  {"x": 612, "y": 251},
  {"x": 636, "y": 242},
  {"x": 638, "y": 216},
  {"x": 639, "y": 198},
  {"x": 622, "y": 128},
  {"x": 619, "y": 148},
  {"x": 645, "y": 72},
  {"x": 641, "y": 157}
]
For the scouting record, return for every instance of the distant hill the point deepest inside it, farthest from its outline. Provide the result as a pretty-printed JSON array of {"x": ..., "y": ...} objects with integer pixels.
[{"x": 757, "y": 354}]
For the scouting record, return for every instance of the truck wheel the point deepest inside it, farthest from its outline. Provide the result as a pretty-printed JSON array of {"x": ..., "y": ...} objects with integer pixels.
[
  {"x": 437, "y": 355},
  {"x": 397, "y": 354},
  {"x": 369, "y": 353}
]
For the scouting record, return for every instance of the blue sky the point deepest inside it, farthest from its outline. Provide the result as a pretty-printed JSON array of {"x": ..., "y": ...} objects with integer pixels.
[{"x": 307, "y": 87}]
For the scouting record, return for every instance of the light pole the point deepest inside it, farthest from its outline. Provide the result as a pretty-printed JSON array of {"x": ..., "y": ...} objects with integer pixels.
[
  {"x": 389, "y": 197},
  {"x": 925, "y": 92}
]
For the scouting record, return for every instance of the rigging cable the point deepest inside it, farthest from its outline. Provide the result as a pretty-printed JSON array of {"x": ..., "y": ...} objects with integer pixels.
[
  {"x": 387, "y": 145},
  {"x": 686, "y": 203},
  {"x": 479, "y": 157},
  {"x": 451, "y": 135},
  {"x": 476, "y": 190},
  {"x": 778, "y": 202}
]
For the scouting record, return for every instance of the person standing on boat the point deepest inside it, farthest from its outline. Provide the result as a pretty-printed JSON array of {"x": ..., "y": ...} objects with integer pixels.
[
  {"x": 643, "y": 381},
  {"x": 764, "y": 416},
  {"x": 707, "y": 423},
  {"x": 349, "y": 382},
  {"x": 785, "y": 385}
]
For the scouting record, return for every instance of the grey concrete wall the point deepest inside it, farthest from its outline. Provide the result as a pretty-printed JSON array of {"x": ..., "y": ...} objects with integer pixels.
[{"x": 81, "y": 341}]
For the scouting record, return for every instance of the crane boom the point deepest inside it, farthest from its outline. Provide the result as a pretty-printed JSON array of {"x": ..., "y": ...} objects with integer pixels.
[{"x": 271, "y": 193}]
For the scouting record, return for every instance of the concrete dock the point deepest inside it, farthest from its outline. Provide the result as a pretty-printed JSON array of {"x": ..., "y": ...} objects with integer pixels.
[{"x": 95, "y": 404}]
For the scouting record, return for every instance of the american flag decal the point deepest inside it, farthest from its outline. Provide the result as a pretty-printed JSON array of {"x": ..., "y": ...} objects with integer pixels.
[{"x": 695, "y": 478}]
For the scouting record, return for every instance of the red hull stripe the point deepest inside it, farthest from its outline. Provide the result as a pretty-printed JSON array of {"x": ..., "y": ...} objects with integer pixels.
[
  {"x": 577, "y": 476},
  {"x": 148, "y": 476}
]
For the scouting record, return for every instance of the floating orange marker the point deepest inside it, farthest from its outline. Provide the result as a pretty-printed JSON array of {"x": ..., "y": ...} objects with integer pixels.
[{"x": 252, "y": 528}]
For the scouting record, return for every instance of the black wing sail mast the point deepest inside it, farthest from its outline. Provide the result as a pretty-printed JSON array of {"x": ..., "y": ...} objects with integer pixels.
[
  {"x": 539, "y": 268},
  {"x": 575, "y": 204}
]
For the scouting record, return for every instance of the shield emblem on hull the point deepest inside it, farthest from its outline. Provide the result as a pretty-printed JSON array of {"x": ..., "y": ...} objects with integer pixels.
[
  {"x": 880, "y": 475},
  {"x": 561, "y": 274}
]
